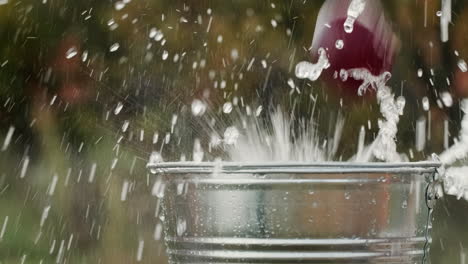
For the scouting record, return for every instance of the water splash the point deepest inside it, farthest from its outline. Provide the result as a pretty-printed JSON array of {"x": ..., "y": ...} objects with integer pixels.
[
  {"x": 370, "y": 81},
  {"x": 275, "y": 141},
  {"x": 455, "y": 178},
  {"x": 456, "y": 182},
  {"x": 384, "y": 146},
  {"x": 460, "y": 149},
  {"x": 355, "y": 9},
  {"x": 307, "y": 70}
]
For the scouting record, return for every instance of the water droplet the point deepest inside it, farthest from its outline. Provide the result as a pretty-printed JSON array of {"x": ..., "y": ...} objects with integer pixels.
[
  {"x": 339, "y": 44},
  {"x": 274, "y": 23},
  {"x": 462, "y": 65},
  {"x": 198, "y": 107},
  {"x": 181, "y": 226},
  {"x": 119, "y": 5},
  {"x": 447, "y": 99},
  {"x": 125, "y": 125},
  {"x": 234, "y": 54},
  {"x": 356, "y": 7},
  {"x": 165, "y": 55},
  {"x": 84, "y": 56},
  {"x": 71, "y": 52},
  {"x": 153, "y": 32},
  {"x": 157, "y": 232},
  {"x": 114, "y": 47},
  {"x": 291, "y": 83},
  {"x": 158, "y": 36},
  {"x": 259, "y": 110},
  {"x": 141, "y": 245},
  {"x": 118, "y": 108},
  {"x": 425, "y": 103},
  {"x": 227, "y": 108}
]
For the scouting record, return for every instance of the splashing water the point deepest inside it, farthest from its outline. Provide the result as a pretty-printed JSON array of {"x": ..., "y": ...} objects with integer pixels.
[
  {"x": 307, "y": 70},
  {"x": 460, "y": 149},
  {"x": 456, "y": 182},
  {"x": 455, "y": 178},
  {"x": 355, "y": 9},
  {"x": 384, "y": 146},
  {"x": 275, "y": 144}
]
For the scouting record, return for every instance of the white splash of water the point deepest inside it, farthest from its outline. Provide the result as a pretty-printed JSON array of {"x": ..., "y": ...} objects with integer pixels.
[
  {"x": 355, "y": 9},
  {"x": 307, "y": 70},
  {"x": 384, "y": 146},
  {"x": 231, "y": 134},
  {"x": 274, "y": 142},
  {"x": 456, "y": 178},
  {"x": 460, "y": 149},
  {"x": 456, "y": 182}
]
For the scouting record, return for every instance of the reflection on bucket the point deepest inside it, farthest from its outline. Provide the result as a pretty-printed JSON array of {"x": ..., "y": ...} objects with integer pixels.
[{"x": 296, "y": 213}]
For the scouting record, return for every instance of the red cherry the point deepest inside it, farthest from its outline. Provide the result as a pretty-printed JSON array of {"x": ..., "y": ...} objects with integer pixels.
[{"x": 371, "y": 44}]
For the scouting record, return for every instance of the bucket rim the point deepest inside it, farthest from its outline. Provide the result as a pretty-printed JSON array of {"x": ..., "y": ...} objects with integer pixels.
[{"x": 228, "y": 167}]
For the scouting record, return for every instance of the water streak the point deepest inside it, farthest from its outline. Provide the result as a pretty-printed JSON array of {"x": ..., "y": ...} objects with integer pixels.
[{"x": 384, "y": 146}]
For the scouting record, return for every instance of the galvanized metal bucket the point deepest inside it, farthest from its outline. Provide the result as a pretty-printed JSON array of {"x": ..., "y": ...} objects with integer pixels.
[{"x": 296, "y": 212}]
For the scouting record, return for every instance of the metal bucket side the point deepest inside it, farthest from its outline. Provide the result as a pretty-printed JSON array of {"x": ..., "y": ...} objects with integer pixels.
[{"x": 296, "y": 213}]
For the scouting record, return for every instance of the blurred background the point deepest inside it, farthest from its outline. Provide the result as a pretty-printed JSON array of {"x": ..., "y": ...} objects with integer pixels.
[{"x": 88, "y": 89}]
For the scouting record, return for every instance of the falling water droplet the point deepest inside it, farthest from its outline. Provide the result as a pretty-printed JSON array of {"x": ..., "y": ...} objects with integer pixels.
[
  {"x": 447, "y": 99},
  {"x": 227, "y": 108},
  {"x": 118, "y": 108},
  {"x": 462, "y": 65},
  {"x": 198, "y": 107},
  {"x": 356, "y": 7},
  {"x": 71, "y": 52},
  {"x": 339, "y": 44},
  {"x": 425, "y": 103},
  {"x": 119, "y": 5},
  {"x": 153, "y": 32},
  {"x": 165, "y": 55},
  {"x": 114, "y": 47},
  {"x": 420, "y": 72}
]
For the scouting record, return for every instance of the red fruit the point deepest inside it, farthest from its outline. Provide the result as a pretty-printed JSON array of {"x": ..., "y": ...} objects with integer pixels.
[{"x": 371, "y": 44}]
